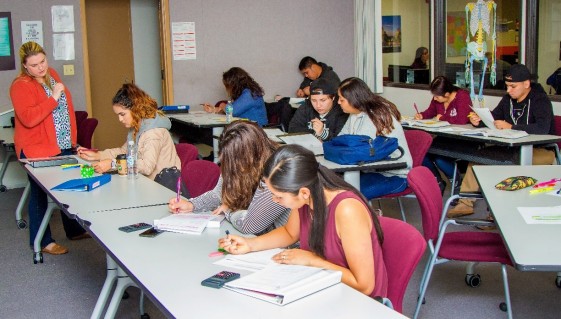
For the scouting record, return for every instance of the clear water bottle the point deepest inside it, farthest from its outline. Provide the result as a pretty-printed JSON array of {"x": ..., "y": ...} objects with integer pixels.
[
  {"x": 229, "y": 112},
  {"x": 132, "y": 171}
]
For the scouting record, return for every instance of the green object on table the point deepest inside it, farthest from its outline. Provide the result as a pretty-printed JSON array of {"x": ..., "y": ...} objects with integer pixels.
[{"x": 87, "y": 171}]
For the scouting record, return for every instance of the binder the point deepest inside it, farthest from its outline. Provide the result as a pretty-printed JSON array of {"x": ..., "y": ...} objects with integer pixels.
[
  {"x": 172, "y": 109},
  {"x": 295, "y": 282},
  {"x": 50, "y": 161},
  {"x": 83, "y": 184}
]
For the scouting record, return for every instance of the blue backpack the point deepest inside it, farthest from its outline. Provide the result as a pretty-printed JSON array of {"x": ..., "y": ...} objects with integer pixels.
[{"x": 360, "y": 149}]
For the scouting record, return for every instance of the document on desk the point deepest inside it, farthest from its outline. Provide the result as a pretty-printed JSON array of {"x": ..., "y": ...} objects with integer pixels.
[
  {"x": 252, "y": 261},
  {"x": 273, "y": 134},
  {"x": 283, "y": 284},
  {"x": 488, "y": 132},
  {"x": 308, "y": 141},
  {"x": 185, "y": 223},
  {"x": 541, "y": 215},
  {"x": 428, "y": 123}
]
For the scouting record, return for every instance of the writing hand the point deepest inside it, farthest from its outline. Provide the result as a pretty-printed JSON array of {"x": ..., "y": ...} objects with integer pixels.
[
  {"x": 474, "y": 119},
  {"x": 234, "y": 244},
  {"x": 317, "y": 126},
  {"x": 183, "y": 206},
  {"x": 438, "y": 116},
  {"x": 208, "y": 108},
  {"x": 88, "y": 154},
  {"x": 418, "y": 116}
]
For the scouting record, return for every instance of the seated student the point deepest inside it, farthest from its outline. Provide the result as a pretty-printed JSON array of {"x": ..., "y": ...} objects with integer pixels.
[
  {"x": 421, "y": 58},
  {"x": 321, "y": 115},
  {"x": 525, "y": 107},
  {"x": 240, "y": 193},
  {"x": 148, "y": 128},
  {"x": 451, "y": 104},
  {"x": 246, "y": 96},
  {"x": 336, "y": 227},
  {"x": 372, "y": 115},
  {"x": 555, "y": 81},
  {"x": 312, "y": 70}
]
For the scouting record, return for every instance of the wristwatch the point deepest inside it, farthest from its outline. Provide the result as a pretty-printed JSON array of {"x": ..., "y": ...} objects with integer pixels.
[{"x": 113, "y": 164}]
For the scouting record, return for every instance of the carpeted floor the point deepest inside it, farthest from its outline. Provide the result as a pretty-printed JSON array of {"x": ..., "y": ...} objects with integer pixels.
[{"x": 67, "y": 286}]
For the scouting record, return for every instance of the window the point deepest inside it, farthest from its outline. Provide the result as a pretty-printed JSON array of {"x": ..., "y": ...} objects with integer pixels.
[
  {"x": 549, "y": 46},
  {"x": 405, "y": 27}
]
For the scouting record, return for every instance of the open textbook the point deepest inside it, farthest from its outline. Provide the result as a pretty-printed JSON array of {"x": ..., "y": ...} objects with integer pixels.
[
  {"x": 424, "y": 123},
  {"x": 490, "y": 131},
  {"x": 283, "y": 284}
]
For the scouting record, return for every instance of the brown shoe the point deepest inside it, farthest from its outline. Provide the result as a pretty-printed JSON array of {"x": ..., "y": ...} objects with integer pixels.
[
  {"x": 54, "y": 249},
  {"x": 81, "y": 236},
  {"x": 490, "y": 218},
  {"x": 464, "y": 207}
]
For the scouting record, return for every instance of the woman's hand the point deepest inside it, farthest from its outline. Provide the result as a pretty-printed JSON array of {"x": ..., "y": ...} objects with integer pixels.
[
  {"x": 183, "y": 206},
  {"x": 418, "y": 116},
  {"x": 474, "y": 119},
  {"x": 102, "y": 166},
  {"x": 295, "y": 257},
  {"x": 88, "y": 154},
  {"x": 235, "y": 245},
  {"x": 221, "y": 210},
  {"x": 438, "y": 116},
  {"x": 209, "y": 108},
  {"x": 57, "y": 90}
]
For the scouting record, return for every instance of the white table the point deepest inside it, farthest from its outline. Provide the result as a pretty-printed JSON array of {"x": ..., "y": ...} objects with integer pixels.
[
  {"x": 531, "y": 247},
  {"x": 170, "y": 267},
  {"x": 525, "y": 144}
]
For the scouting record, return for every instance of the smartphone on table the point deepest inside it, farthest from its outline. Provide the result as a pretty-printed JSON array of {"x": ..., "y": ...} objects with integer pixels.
[{"x": 151, "y": 232}]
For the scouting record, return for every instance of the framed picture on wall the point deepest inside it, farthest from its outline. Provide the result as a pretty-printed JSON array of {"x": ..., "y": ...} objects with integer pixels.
[
  {"x": 7, "y": 58},
  {"x": 457, "y": 33},
  {"x": 391, "y": 34}
]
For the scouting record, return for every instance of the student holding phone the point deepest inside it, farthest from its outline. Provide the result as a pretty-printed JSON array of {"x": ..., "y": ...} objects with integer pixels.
[{"x": 336, "y": 227}]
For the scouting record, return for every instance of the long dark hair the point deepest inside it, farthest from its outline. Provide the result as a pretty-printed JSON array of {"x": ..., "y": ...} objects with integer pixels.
[
  {"x": 292, "y": 167},
  {"x": 243, "y": 149},
  {"x": 237, "y": 79},
  {"x": 441, "y": 85},
  {"x": 379, "y": 110}
]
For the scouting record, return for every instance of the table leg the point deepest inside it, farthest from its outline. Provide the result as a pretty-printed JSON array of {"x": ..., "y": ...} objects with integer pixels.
[
  {"x": 353, "y": 178},
  {"x": 7, "y": 155},
  {"x": 106, "y": 290},
  {"x": 19, "y": 210},
  {"x": 37, "y": 254},
  {"x": 216, "y": 131},
  {"x": 526, "y": 153},
  {"x": 123, "y": 281}
]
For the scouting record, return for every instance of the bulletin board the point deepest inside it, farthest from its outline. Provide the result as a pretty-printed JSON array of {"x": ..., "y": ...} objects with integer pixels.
[{"x": 7, "y": 58}]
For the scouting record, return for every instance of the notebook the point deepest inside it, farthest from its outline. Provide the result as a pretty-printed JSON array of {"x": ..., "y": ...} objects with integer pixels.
[
  {"x": 50, "y": 161},
  {"x": 83, "y": 184},
  {"x": 305, "y": 140}
]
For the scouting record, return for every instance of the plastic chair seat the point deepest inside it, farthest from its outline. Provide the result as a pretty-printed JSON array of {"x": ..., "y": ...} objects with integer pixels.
[{"x": 474, "y": 246}]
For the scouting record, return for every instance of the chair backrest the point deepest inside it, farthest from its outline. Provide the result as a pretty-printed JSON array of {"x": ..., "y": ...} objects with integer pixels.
[
  {"x": 424, "y": 185},
  {"x": 419, "y": 143},
  {"x": 200, "y": 176},
  {"x": 557, "y": 124},
  {"x": 80, "y": 116},
  {"x": 85, "y": 132},
  {"x": 403, "y": 248},
  {"x": 187, "y": 153}
]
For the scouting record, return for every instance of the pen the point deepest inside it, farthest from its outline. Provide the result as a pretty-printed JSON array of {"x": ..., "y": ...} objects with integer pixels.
[
  {"x": 416, "y": 109},
  {"x": 89, "y": 149},
  {"x": 558, "y": 191},
  {"x": 178, "y": 191},
  {"x": 69, "y": 166},
  {"x": 551, "y": 217}
]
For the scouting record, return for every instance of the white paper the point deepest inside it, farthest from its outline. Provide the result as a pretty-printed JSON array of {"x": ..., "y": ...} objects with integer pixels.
[
  {"x": 32, "y": 31},
  {"x": 486, "y": 116},
  {"x": 186, "y": 223},
  {"x": 251, "y": 261},
  {"x": 273, "y": 134},
  {"x": 63, "y": 18},
  {"x": 275, "y": 277},
  {"x": 307, "y": 141},
  {"x": 183, "y": 38},
  {"x": 63, "y": 46},
  {"x": 505, "y": 133},
  {"x": 541, "y": 215}
]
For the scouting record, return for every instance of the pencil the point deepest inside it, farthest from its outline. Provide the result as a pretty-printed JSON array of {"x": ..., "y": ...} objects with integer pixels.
[{"x": 416, "y": 109}]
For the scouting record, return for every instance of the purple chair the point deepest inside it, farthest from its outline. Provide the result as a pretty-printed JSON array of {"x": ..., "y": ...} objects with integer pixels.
[
  {"x": 85, "y": 132},
  {"x": 80, "y": 116},
  {"x": 403, "y": 248},
  {"x": 419, "y": 143},
  {"x": 467, "y": 246},
  {"x": 187, "y": 153},
  {"x": 200, "y": 176}
]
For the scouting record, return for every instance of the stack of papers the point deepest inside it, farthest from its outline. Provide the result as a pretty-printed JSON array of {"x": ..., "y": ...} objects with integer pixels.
[
  {"x": 425, "y": 123},
  {"x": 506, "y": 133},
  {"x": 307, "y": 141},
  {"x": 188, "y": 223},
  {"x": 251, "y": 261}
]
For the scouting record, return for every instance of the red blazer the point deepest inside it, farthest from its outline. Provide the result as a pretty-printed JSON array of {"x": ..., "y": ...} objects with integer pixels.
[{"x": 35, "y": 130}]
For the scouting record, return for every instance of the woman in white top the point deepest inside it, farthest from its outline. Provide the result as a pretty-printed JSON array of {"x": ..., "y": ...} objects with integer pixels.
[{"x": 372, "y": 115}]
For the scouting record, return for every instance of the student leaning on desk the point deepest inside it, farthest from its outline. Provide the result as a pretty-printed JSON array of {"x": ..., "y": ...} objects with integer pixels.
[
  {"x": 148, "y": 128},
  {"x": 525, "y": 107},
  {"x": 313, "y": 70},
  {"x": 45, "y": 126},
  {"x": 246, "y": 95},
  {"x": 336, "y": 227},
  {"x": 240, "y": 193},
  {"x": 451, "y": 104}
]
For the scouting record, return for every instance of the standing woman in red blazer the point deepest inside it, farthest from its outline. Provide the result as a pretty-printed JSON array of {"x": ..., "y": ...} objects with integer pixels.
[{"x": 45, "y": 125}]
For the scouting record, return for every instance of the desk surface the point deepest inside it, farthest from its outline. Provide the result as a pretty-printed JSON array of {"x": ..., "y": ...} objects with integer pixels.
[
  {"x": 201, "y": 119},
  {"x": 374, "y": 166},
  {"x": 531, "y": 247},
  {"x": 171, "y": 277}
]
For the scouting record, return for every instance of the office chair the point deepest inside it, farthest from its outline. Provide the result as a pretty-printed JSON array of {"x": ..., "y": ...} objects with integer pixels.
[
  {"x": 187, "y": 153},
  {"x": 85, "y": 132},
  {"x": 556, "y": 146},
  {"x": 200, "y": 176},
  {"x": 468, "y": 246},
  {"x": 80, "y": 116},
  {"x": 419, "y": 143},
  {"x": 403, "y": 248}
]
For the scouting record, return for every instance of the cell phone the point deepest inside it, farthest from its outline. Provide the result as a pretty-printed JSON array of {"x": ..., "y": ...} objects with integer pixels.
[
  {"x": 151, "y": 232},
  {"x": 134, "y": 227},
  {"x": 218, "y": 280}
]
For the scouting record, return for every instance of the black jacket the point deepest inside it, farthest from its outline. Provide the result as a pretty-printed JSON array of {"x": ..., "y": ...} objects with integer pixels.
[
  {"x": 334, "y": 120},
  {"x": 327, "y": 73}
]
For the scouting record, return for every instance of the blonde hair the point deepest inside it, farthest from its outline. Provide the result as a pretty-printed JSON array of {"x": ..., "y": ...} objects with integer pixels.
[{"x": 27, "y": 50}]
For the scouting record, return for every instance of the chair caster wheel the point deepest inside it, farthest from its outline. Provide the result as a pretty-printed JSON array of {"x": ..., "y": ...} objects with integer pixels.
[
  {"x": 3, "y": 188},
  {"x": 145, "y": 316},
  {"x": 21, "y": 223},
  {"x": 473, "y": 280},
  {"x": 125, "y": 295},
  {"x": 558, "y": 281},
  {"x": 503, "y": 307}
]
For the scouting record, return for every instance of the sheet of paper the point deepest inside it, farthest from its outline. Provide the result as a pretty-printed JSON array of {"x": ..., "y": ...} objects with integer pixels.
[
  {"x": 486, "y": 116},
  {"x": 306, "y": 140},
  {"x": 541, "y": 215},
  {"x": 187, "y": 223},
  {"x": 273, "y": 134},
  {"x": 275, "y": 277},
  {"x": 253, "y": 261}
]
